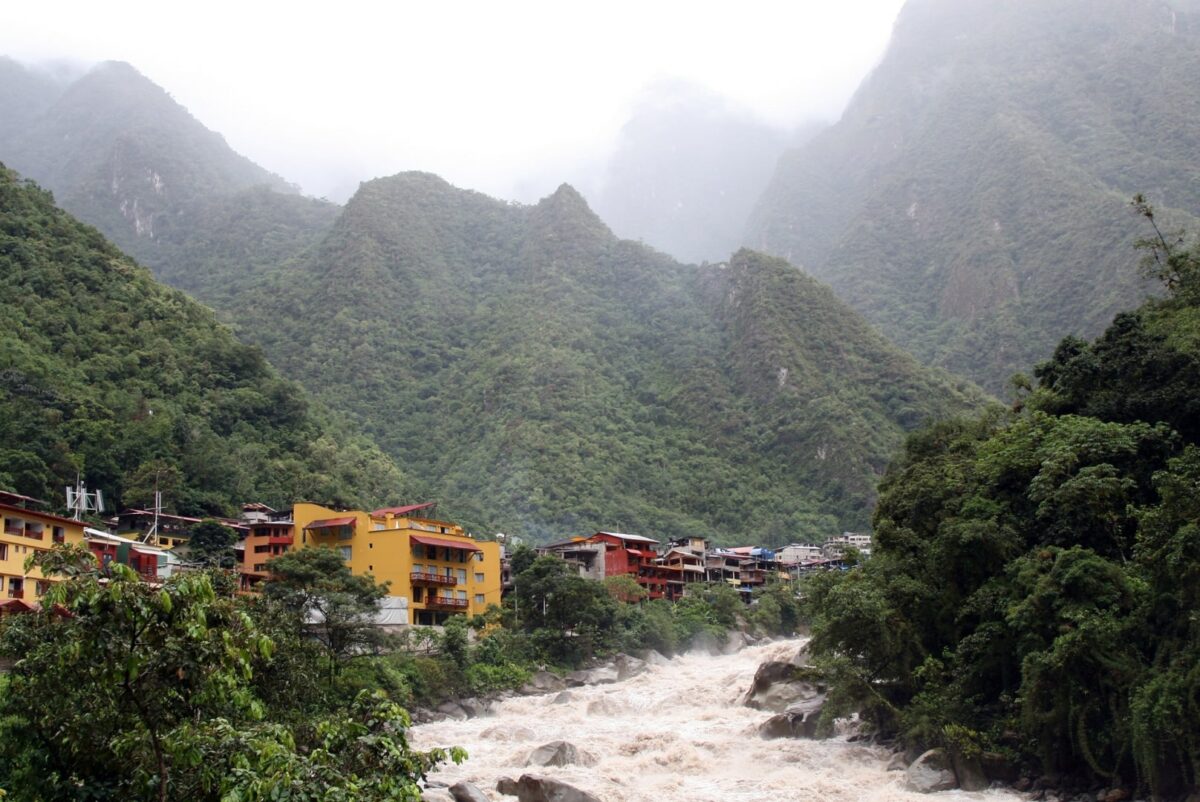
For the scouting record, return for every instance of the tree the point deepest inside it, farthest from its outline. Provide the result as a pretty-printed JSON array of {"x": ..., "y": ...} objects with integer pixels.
[
  {"x": 211, "y": 544},
  {"x": 108, "y": 671},
  {"x": 328, "y": 601}
]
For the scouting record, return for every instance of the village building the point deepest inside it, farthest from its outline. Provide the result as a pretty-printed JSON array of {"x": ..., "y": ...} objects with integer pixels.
[
  {"x": 162, "y": 529},
  {"x": 26, "y": 531},
  {"x": 835, "y": 548},
  {"x": 607, "y": 554},
  {"x": 269, "y": 533},
  {"x": 798, "y": 552},
  {"x": 432, "y": 564}
]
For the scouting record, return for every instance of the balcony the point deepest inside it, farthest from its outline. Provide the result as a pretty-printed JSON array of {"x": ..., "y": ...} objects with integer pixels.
[
  {"x": 16, "y": 593},
  {"x": 446, "y": 601},
  {"x": 418, "y": 578},
  {"x": 280, "y": 540}
]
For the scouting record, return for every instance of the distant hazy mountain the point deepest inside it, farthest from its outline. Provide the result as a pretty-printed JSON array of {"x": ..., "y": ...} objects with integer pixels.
[
  {"x": 543, "y": 376},
  {"x": 118, "y": 152},
  {"x": 972, "y": 201},
  {"x": 110, "y": 375},
  {"x": 687, "y": 171}
]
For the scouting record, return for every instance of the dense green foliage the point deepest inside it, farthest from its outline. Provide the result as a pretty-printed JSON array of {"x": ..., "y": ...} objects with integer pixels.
[
  {"x": 1035, "y": 579},
  {"x": 109, "y": 375},
  {"x": 542, "y": 377},
  {"x": 123, "y": 690},
  {"x": 969, "y": 201}
]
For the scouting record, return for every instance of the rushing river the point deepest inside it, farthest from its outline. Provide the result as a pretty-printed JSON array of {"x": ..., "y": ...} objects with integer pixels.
[{"x": 674, "y": 733}]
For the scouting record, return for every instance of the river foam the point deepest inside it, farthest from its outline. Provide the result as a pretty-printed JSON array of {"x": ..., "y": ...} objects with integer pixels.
[{"x": 676, "y": 733}]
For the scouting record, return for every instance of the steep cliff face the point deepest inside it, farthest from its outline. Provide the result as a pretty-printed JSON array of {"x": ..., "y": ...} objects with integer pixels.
[{"x": 972, "y": 201}]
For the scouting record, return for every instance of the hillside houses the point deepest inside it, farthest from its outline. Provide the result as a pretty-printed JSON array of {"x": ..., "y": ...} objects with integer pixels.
[{"x": 434, "y": 569}]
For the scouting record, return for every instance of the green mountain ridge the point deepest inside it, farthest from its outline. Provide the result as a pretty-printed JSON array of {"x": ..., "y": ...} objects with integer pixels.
[
  {"x": 111, "y": 375},
  {"x": 972, "y": 201},
  {"x": 543, "y": 377}
]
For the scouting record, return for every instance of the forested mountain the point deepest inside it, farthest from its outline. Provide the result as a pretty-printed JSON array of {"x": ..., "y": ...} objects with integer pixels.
[
  {"x": 541, "y": 376},
  {"x": 972, "y": 201},
  {"x": 112, "y": 375},
  {"x": 688, "y": 168},
  {"x": 1032, "y": 594},
  {"x": 119, "y": 153}
]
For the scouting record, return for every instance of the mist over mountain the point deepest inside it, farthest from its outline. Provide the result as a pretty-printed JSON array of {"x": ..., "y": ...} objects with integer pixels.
[
  {"x": 972, "y": 201},
  {"x": 119, "y": 153},
  {"x": 542, "y": 376},
  {"x": 687, "y": 170}
]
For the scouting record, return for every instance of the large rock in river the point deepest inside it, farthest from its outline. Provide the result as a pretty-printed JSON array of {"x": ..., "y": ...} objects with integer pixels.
[
  {"x": 778, "y": 685},
  {"x": 932, "y": 771},
  {"x": 536, "y": 788},
  {"x": 543, "y": 682},
  {"x": 466, "y": 792},
  {"x": 559, "y": 753}
]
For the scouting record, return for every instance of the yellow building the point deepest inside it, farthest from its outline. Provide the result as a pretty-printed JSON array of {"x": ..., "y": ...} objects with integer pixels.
[
  {"x": 26, "y": 531},
  {"x": 432, "y": 564}
]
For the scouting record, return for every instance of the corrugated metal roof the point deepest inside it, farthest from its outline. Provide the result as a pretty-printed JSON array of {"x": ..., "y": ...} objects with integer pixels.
[{"x": 637, "y": 538}]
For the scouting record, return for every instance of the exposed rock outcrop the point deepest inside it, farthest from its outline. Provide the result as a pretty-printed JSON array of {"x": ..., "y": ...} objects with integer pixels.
[
  {"x": 466, "y": 792},
  {"x": 778, "y": 685},
  {"x": 932, "y": 771},
  {"x": 559, "y": 753},
  {"x": 536, "y": 788}
]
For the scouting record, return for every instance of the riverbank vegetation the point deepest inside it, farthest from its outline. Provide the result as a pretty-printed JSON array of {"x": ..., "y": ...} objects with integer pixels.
[
  {"x": 1034, "y": 589},
  {"x": 122, "y": 690}
]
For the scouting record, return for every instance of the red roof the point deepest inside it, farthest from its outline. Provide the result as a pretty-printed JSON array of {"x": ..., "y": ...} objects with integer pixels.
[
  {"x": 331, "y": 522},
  {"x": 641, "y": 553},
  {"x": 402, "y": 510},
  {"x": 445, "y": 544}
]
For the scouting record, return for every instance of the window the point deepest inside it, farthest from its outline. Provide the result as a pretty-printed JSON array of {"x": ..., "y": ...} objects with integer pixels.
[
  {"x": 462, "y": 595},
  {"x": 60, "y": 535},
  {"x": 345, "y": 552},
  {"x": 3, "y": 551},
  {"x": 419, "y": 551},
  {"x": 462, "y": 576},
  {"x": 418, "y": 594},
  {"x": 379, "y": 527},
  {"x": 450, "y": 572},
  {"x": 478, "y": 578},
  {"x": 418, "y": 568},
  {"x": 262, "y": 549},
  {"x": 479, "y": 598},
  {"x": 14, "y": 526}
]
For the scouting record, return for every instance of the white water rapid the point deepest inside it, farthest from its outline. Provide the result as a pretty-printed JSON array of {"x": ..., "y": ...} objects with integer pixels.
[{"x": 675, "y": 733}]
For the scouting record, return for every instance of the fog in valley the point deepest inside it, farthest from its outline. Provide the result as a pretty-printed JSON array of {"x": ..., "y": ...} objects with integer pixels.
[{"x": 630, "y": 104}]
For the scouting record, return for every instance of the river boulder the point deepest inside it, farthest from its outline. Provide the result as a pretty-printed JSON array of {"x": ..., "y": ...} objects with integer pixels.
[
  {"x": 466, "y": 792},
  {"x": 799, "y": 720},
  {"x": 563, "y": 698},
  {"x": 474, "y": 708},
  {"x": 536, "y": 788},
  {"x": 628, "y": 666},
  {"x": 969, "y": 772},
  {"x": 543, "y": 682},
  {"x": 653, "y": 658},
  {"x": 452, "y": 710},
  {"x": 602, "y": 675},
  {"x": 559, "y": 753},
  {"x": 933, "y": 771},
  {"x": 778, "y": 685}
]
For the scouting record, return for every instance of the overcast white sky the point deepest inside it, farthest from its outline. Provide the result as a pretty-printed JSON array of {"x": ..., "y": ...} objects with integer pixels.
[{"x": 491, "y": 95}]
